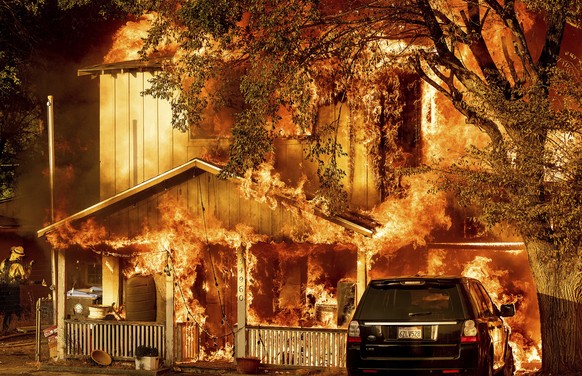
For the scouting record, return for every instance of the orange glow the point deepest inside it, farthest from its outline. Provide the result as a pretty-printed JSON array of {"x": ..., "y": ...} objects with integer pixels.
[
  {"x": 128, "y": 40},
  {"x": 292, "y": 277}
]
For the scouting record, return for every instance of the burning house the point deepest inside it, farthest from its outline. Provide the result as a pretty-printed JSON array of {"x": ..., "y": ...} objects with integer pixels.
[{"x": 206, "y": 268}]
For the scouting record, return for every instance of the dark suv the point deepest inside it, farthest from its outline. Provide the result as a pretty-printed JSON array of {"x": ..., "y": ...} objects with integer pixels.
[{"x": 429, "y": 326}]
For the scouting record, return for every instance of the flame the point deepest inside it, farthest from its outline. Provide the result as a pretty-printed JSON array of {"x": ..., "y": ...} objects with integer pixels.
[
  {"x": 182, "y": 243},
  {"x": 128, "y": 40}
]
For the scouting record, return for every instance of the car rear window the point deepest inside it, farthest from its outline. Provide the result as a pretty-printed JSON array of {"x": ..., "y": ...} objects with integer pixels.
[{"x": 412, "y": 302}]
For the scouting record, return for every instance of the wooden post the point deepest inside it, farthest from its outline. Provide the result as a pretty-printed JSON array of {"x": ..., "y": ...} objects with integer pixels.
[
  {"x": 61, "y": 304},
  {"x": 241, "y": 303},
  {"x": 169, "y": 360},
  {"x": 362, "y": 274}
]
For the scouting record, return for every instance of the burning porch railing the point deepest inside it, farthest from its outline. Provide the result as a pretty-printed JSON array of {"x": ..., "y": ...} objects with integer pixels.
[
  {"x": 307, "y": 347},
  {"x": 118, "y": 338}
]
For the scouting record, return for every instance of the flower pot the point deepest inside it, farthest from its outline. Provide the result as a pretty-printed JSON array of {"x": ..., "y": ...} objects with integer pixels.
[
  {"x": 101, "y": 357},
  {"x": 147, "y": 363}
]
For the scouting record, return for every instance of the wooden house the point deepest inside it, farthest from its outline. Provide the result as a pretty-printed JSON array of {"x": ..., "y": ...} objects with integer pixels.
[{"x": 144, "y": 161}]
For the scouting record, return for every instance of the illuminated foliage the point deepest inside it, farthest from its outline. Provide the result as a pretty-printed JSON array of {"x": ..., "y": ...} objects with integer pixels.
[{"x": 483, "y": 56}]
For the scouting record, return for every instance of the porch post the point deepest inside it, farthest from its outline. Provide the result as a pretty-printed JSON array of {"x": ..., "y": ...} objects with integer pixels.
[
  {"x": 61, "y": 304},
  {"x": 362, "y": 274},
  {"x": 111, "y": 280},
  {"x": 169, "y": 360},
  {"x": 241, "y": 303}
]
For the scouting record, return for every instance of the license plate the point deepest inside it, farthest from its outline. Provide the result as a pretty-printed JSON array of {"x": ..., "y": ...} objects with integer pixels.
[{"x": 410, "y": 332}]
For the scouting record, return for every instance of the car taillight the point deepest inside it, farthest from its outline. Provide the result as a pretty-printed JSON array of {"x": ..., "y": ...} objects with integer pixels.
[
  {"x": 469, "y": 332},
  {"x": 354, "y": 332}
]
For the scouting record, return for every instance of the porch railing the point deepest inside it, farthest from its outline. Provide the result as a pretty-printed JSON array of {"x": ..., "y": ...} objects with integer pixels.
[
  {"x": 118, "y": 338},
  {"x": 306, "y": 347}
]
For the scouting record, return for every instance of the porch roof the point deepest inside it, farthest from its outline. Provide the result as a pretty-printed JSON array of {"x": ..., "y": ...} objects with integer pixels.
[{"x": 164, "y": 181}]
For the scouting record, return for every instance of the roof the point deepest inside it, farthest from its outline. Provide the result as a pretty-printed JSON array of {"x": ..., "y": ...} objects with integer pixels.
[
  {"x": 122, "y": 67},
  {"x": 162, "y": 182}
]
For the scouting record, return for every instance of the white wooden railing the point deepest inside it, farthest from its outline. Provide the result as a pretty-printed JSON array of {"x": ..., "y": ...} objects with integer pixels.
[
  {"x": 118, "y": 338},
  {"x": 306, "y": 347}
]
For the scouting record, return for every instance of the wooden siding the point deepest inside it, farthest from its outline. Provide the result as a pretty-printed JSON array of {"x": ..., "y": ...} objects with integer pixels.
[
  {"x": 221, "y": 199},
  {"x": 138, "y": 142}
]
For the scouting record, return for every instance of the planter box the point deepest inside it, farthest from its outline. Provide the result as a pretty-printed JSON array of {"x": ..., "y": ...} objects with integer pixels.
[
  {"x": 147, "y": 363},
  {"x": 248, "y": 365}
]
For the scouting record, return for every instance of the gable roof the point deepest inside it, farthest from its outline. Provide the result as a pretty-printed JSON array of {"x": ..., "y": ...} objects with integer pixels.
[{"x": 168, "y": 179}]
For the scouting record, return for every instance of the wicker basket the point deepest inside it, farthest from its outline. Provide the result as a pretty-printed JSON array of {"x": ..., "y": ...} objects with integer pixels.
[{"x": 249, "y": 366}]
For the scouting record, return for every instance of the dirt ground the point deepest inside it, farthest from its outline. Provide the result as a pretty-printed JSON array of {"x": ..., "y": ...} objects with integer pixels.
[{"x": 18, "y": 357}]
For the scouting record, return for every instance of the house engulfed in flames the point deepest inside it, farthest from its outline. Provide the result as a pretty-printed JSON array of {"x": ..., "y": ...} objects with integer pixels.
[{"x": 211, "y": 269}]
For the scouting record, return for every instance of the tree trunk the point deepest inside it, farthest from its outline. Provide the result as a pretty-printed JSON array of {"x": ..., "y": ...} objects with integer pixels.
[{"x": 558, "y": 277}]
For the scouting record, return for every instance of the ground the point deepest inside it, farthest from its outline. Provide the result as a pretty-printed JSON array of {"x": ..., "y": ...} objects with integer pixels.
[{"x": 18, "y": 357}]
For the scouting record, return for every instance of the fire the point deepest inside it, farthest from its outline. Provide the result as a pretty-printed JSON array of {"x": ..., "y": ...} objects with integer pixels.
[
  {"x": 504, "y": 287},
  {"x": 128, "y": 40},
  {"x": 293, "y": 279},
  {"x": 309, "y": 267}
]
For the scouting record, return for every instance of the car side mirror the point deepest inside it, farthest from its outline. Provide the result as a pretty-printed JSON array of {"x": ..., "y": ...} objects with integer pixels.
[{"x": 507, "y": 310}]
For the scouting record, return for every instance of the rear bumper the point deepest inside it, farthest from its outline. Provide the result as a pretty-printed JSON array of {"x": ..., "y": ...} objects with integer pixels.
[{"x": 466, "y": 363}]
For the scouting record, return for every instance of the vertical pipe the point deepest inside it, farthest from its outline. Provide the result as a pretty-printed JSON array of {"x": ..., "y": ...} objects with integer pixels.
[
  {"x": 38, "y": 329},
  {"x": 51, "y": 152}
]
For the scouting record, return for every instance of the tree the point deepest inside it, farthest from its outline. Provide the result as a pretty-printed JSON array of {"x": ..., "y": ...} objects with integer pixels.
[
  {"x": 18, "y": 112},
  {"x": 523, "y": 92}
]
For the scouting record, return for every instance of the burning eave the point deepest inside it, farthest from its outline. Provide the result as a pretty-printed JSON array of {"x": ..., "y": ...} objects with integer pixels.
[
  {"x": 166, "y": 180},
  {"x": 490, "y": 246}
]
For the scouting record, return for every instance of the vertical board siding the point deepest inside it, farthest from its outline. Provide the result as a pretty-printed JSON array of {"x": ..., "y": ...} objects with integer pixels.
[
  {"x": 136, "y": 117},
  {"x": 165, "y": 139},
  {"x": 107, "y": 155},
  {"x": 122, "y": 133},
  {"x": 138, "y": 142},
  {"x": 151, "y": 107}
]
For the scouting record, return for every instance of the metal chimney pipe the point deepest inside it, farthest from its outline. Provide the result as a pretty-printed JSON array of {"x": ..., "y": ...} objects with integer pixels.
[{"x": 51, "y": 146}]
